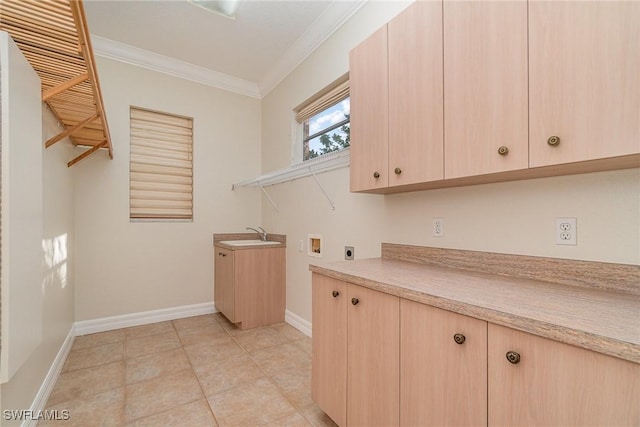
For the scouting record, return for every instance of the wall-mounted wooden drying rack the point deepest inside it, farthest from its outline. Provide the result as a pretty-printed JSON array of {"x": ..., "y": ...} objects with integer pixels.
[{"x": 54, "y": 37}]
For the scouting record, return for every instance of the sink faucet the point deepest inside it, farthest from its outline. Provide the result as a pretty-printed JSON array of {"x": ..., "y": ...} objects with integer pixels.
[{"x": 262, "y": 233}]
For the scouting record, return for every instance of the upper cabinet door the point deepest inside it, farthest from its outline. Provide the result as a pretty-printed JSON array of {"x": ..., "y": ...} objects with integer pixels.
[
  {"x": 584, "y": 79},
  {"x": 368, "y": 80},
  {"x": 485, "y": 87},
  {"x": 415, "y": 95}
]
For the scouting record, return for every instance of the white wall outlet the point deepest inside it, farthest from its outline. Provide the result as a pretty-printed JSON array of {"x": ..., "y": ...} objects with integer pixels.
[
  {"x": 438, "y": 227},
  {"x": 566, "y": 231}
]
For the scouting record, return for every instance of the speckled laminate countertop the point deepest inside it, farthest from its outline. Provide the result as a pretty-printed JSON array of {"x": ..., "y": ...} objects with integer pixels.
[{"x": 601, "y": 320}]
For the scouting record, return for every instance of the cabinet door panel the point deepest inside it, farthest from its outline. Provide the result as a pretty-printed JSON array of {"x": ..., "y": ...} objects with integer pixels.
[
  {"x": 373, "y": 358},
  {"x": 415, "y": 95},
  {"x": 329, "y": 347},
  {"x": 585, "y": 80},
  {"x": 442, "y": 383},
  {"x": 223, "y": 290},
  {"x": 368, "y": 81},
  {"x": 558, "y": 384},
  {"x": 485, "y": 87}
]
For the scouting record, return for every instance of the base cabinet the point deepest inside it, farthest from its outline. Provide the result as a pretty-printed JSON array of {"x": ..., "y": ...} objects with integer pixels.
[
  {"x": 548, "y": 383},
  {"x": 443, "y": 372},
  {"x": 383, "y": 360},
  {"x": 250, "y": 285},
  {"x": 355, "y": 356}
]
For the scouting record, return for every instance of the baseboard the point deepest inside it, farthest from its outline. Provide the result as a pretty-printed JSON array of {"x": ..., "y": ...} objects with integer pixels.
[
  {"x": 297, "y": 322},
  {"x": 143, "y": 318},
  {"x": 50, "y": 379}
]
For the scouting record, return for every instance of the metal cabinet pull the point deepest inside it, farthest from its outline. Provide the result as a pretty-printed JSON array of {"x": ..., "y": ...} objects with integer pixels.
[
  {"x": 335, "y": 293},
  {"x": 459, "y": 338},
  {"x": 553, "y": 141},
  {"x": 376, "y": 174},
  {"x": 503, "y": 151},
  {"x": 513, "y": 357},
  {"x": 398, "y": 171},
  {"x": 355, "y": 301},
  {"x": 221, "y": 254}
]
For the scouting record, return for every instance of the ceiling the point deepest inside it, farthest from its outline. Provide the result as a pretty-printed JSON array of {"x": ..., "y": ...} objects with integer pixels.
[{"x": 259, "y": 47}]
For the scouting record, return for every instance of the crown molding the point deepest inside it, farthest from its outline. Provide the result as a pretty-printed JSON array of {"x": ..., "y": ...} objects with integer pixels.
[
  {"x": 117, "y": 51},
  {"x": 327, "y": 23}
]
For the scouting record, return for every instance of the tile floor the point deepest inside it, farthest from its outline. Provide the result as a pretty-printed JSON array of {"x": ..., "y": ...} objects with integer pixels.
[{"x": 192, "y": 372}]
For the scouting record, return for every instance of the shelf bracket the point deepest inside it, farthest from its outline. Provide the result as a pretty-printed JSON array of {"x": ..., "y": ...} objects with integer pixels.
[
  {"x": 269, "y": 198},
  {"x": 333, "y": 207}
]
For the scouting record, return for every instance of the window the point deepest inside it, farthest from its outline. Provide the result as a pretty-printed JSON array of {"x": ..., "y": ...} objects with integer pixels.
[
  {"x": 325, "y": 120},
  {"x": 161, "y": 169}
]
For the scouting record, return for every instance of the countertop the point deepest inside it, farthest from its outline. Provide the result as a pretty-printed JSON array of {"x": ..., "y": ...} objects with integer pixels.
[{"x": 601, "y": 320}]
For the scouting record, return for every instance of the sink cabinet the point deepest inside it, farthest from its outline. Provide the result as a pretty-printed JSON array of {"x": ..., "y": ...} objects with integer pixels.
[{"x": 249, "y": 286}]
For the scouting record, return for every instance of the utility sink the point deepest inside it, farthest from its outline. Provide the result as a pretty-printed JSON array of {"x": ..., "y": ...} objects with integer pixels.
[{"x": 248, "y": 242}]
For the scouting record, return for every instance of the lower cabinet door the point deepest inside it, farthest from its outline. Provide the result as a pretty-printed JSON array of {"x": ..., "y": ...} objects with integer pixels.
[
  {"x": 373, "y": 349},
  {"x": 534, "y": 381},
  {"x": 443, "y": 372},
  {"x": 329, "y": 347},
  {"x": 223, "y": 288}
]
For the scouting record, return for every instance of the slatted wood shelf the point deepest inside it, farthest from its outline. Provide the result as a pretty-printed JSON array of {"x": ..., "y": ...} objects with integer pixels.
[{"x": 54, "y": 37}]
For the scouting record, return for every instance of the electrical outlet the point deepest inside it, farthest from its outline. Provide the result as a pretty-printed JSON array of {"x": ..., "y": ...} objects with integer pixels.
[
  {"x": 349, "y": 252},
  {"x": 566, "y": 231},
  {"x": 438, "y": 227}
]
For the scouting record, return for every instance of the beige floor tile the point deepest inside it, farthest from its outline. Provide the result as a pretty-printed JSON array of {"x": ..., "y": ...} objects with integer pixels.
[
  {"x": 100, "y": 338},
  {"x": 201, "y": 333},
  {"x": 103, "y": 409},
  {"x": 195, "y": 321},
  {"x": 295, "y": 384},
  {"x": 281, "y": 358},
  {"x": 223, "y": 321},
  {"x": 256, "y": 339},
  {"x": 253, "y": 404},
  {"x": 227, "y": 374},
  {"x": 304, "y": 344},
  {"x": 293, "y": 420},
  {"x": 317, "y": 417},
  {"x": 212, "y": 351},
  {"x": 289, "y": 331},
  {"x": 154, "y": 365},
  {"x": 159, "y": 394},
  {"x": 150, "y": 329},
  {"x": 151, "y": 344},
  {"x": 194, "y": 414},
  {"x": 82, "y": 383},
  {"x": 94, "y": 356}
]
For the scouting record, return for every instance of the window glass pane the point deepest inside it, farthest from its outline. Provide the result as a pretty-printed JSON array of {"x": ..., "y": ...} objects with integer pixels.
[{"x": 330, "y": 130}]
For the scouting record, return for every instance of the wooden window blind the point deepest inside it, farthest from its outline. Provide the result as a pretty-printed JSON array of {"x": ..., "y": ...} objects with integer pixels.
[
  {"x": 161, "y": 167},
  {"x": 329, "y": 96}
]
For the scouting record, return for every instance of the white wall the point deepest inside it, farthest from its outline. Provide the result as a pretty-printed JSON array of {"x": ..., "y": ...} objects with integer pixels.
[
  {"x": 128, "y": 267},
  {"x": 58, "y": 280},
  {"x": 513, "y": 217}
]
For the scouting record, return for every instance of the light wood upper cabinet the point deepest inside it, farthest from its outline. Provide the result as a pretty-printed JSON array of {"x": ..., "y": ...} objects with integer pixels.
[
  {"x": 415, "y": 95},
  {"x": 584, "y": 80},
  {"x": 443, "y": 381},
  {"x": 373, "y": 353},
  {"x": 556, "y": 384},
  {"x": 329, "y": 347},
  {"x": 368, "y": 80},
  {"x": 485, "y": 87},
  {"x": 250, "y": 285}
]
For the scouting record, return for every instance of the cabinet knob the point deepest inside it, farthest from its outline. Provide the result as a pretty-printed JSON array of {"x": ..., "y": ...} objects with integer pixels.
[
  {"x": 459, "y": 338},
  {"x": 335, "y": 293},
  {"x": 398, "y": 171},
  {"x": 553, "y": 141},
  {"x": 355, "y": 301},
  {"x": 221, "y": 254},
  {"x": 513, "y": 357},
  {"x": 376, "y": 174},
  {"x": 503, "y": 150}
]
